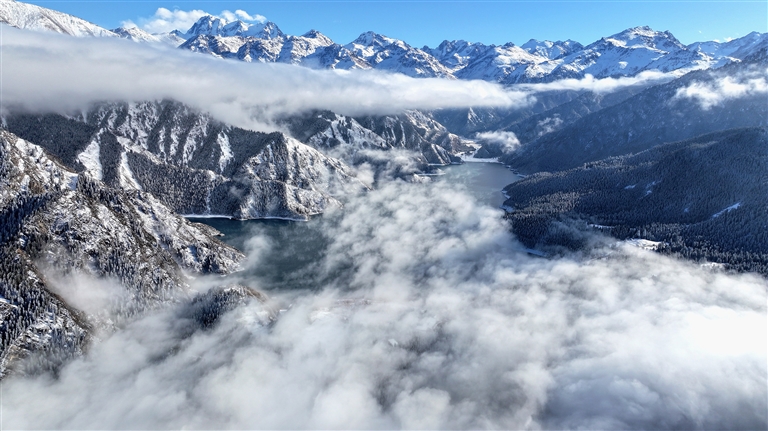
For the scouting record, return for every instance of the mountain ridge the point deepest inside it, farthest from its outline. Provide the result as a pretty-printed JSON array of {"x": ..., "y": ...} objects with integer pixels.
[{"x": 626, "y": 53}]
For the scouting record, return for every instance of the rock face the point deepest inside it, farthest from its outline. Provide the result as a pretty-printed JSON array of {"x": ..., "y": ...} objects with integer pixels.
[
  {"x": 190, "y": 162},
  {"x": 55, "y": 221},
  {"x": 412, "y": 130}
]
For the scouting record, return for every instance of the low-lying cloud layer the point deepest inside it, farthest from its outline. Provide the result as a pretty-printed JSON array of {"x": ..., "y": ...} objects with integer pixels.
[
  {"x": 53, "y": 72},
  {"x": 602, "y": 85},
  {"x": 430, "y": 317},
  {"x": 715, "y": 92},
  {"x": 507, "y": 141}
]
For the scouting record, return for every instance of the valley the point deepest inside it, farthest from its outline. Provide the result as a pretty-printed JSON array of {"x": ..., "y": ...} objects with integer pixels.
[{"x": 228, "y": 226}]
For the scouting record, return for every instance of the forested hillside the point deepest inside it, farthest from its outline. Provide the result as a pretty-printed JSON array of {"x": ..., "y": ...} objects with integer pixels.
[
  {"x": 654, "y": 116},
  {"x": 704, "y": 198}
]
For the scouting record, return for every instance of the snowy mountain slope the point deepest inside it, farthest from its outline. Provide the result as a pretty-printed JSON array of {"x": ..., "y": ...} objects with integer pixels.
[
  {"x": 192, "y": 163},
  {"x": 393, "y": 55},
  {"x": 297, "y": 48},
  {"x": 536, "y": 125},
  {"x": 735, "y": 48},
  {"x": 551, "y": 50},
  {"x": 31, "y": 17},
  {"x": 55, "y": 221},
  {"x": 313, "y": 49},
  {"x": 346, "y": 137},
  {"x": 654, "y": 116},
  {"x": 138, "y": 35},
  {"x": 625, "y": 54}
]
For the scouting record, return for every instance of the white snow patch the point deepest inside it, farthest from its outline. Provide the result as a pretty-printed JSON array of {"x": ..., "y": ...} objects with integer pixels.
[
  {"x": 645, "y": 244},
  {"x": 226, "y": 151},
  {"x": 90, "y": 159},
  {"x": 729, "y": 209},
  {"x": 127, "y": 180}
]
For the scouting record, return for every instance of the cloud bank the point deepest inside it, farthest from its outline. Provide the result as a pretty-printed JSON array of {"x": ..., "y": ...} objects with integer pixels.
[
  {"x": 427, "y": 316},
  {"x": 601, "y": 85},
  {"x": 507, "y": 141},
  {"x": 37, "y": 76},
  {"x": 717, "y": 91}
]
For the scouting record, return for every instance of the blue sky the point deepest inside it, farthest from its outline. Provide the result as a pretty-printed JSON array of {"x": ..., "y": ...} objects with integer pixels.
[{"x": 430, "y": 22}]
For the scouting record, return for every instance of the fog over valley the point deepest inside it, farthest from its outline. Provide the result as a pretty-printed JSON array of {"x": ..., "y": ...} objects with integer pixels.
[
  {"x": 431, "y": 316},
  {"x": 225, "y": 226}
]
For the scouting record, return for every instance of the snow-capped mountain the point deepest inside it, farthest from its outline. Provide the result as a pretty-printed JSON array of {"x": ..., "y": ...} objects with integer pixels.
[
  {"x": 735, "y": 48},
  {"x": 393, "y": 55},
  {"x": 214, "y": 26},
  {"x": 626, "y": 53},
  {"x": 417, "y": 132},
  {"x": 31, "y": 17},
  {"x": 623, "y": 54},
  {"x": 58, "y": 224},
  {"x": 192, "y": 163},
  {"x": 551, "y": 50},
  {"x": 138, "y": 35},
  {"x": 653, "y": 116}
]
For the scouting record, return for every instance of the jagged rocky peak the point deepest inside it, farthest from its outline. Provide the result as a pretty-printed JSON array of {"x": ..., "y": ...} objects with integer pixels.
[
  {"x": 300, "y": 49},
  {"x": 315, "y": 34},
  {"x": 368, "y": 43},
  {"x": 551, "y": 50},
  {"x": 215, "y": 26},
  {"x": 206, "y": 25},
  {"x": 454, "y": 53},
  {"x": 734, "y": 48},
  {"x": 135, "y": 34},
  {"x": 192, "y": 163},
  {"x": 644, "y": 37}
]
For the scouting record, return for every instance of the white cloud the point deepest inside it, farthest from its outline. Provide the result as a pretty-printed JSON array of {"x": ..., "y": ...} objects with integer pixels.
[
  {"x": 601, "y": 85},
  {"x": 245, "y": 16},
  {"x": 549, "y": 125},
  {"x": 506, "y": 140},
  {"x": 166, "y": 20},
  {"x": 714, "y": 92},
  {"x": 37, "y": 76},
  {"x": 427, "y": 315}
]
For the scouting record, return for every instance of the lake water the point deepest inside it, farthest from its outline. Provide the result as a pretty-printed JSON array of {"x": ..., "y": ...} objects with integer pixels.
[{"x": 295, "y": 247}]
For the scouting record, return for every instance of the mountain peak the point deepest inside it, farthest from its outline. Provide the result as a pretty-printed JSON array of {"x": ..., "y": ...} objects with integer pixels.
[
  {"x": 644, "y": 37},
  {"x": 551, "y": 50},
  {"x": 370, "y": 38},
  {"x": 215, "y": 26},
  {"x": 135, "y": 34}
]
